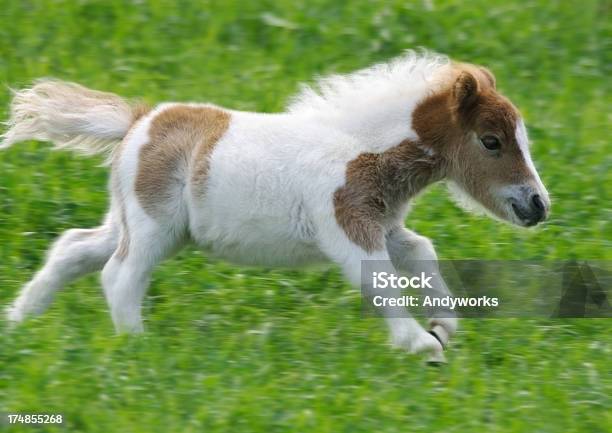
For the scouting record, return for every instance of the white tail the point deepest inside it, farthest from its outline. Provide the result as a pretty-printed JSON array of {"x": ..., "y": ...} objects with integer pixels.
[{"x": 69, "y": 115}]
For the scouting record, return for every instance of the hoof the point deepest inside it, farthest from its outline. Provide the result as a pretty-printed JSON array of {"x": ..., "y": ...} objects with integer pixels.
[
  {"x": 424, "y": 342},
  {"x": 436, "y": 359}
]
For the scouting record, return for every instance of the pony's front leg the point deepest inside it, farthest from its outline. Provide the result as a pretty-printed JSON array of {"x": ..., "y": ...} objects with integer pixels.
[
  {"x": 406, "y": 332},
  {"x": 413, "y": 254}
]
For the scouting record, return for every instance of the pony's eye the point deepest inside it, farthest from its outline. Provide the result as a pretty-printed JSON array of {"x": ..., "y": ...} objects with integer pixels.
[{"x": 491, "y": 142}]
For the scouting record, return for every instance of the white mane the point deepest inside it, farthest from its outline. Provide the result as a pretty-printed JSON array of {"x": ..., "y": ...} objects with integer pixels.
[{"x": 383, "y": 81}]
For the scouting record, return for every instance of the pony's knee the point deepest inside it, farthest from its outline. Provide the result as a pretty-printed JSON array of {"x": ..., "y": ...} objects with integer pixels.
[
  {"x": 74, "y": 236},
  {"x": 424, "y": 248},
  {"x": 405, "y": 246},
  {"x": 85, "y": 243},
  {"x": 82, "y": 251},
  {"x": 64, "y": 241}
]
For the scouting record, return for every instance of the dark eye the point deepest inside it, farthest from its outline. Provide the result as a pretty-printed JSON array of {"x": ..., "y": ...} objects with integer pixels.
[{"x": 491, "y": 142}]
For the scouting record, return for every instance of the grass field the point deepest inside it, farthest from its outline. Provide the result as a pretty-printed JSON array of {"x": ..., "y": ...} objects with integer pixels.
[{"x": 231, "y": 349}]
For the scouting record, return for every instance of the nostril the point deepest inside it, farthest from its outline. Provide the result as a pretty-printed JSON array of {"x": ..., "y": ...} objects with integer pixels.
[{"x": 537, "y": 202}]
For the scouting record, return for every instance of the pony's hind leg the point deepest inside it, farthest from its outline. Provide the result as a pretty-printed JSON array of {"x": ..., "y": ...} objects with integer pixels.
[
  {"x": 126, "y": 275},
  {"x": 76, "y": 253}
]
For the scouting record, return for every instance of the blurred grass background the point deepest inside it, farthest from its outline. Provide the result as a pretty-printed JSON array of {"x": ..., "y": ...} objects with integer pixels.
[{"x": 236, "y": 349}]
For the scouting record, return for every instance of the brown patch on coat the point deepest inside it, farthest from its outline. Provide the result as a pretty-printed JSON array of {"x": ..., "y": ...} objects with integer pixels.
[
  {"x": 377, "y": 187},
  {"x": 181, "y": 138}
]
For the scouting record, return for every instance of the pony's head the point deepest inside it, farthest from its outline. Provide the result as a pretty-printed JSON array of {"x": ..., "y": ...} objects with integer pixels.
[{"x": 482, "y": 139}]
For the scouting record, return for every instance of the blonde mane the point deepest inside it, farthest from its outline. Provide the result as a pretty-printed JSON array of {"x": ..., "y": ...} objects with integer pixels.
[{"x": 396, "y": 78}]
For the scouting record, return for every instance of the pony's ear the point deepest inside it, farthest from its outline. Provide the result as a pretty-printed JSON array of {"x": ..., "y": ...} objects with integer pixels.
[
  {"x": 488, "y": 75},
  {"x": 466, "y": 90}
]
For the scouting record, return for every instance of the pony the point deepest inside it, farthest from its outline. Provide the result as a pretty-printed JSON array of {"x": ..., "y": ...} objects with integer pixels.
[{"x": 329, "y": 179}]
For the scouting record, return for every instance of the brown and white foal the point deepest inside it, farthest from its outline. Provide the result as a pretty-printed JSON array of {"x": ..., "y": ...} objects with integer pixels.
[{"x": 330, "y": 178}]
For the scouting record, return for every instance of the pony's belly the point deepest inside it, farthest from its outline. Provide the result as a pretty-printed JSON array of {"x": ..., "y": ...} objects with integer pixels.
[
  {"x": 267, "y": 230},
  {"x": 285, "y": 252}
]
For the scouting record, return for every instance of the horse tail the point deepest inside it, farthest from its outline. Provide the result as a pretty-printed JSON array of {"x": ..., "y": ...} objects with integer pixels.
[{"x": 70, "y": 116}]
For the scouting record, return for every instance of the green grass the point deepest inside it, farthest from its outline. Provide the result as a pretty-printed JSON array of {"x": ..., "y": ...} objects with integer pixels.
[{"x": 231, "y": 349}]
